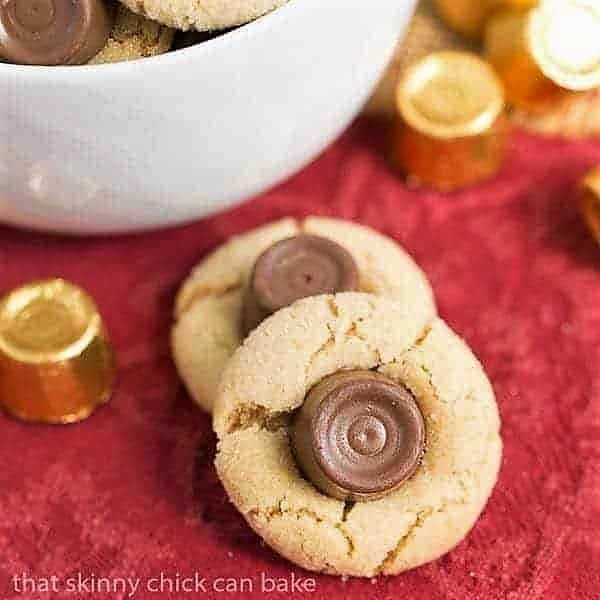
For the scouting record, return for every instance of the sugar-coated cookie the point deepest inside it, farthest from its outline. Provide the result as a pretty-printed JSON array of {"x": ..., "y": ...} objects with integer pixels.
[
  {"x": 203, "y": 15},
  {"x": 211, "y": 303},
  {"x": 263, "y": 394},
  {"x": 133, "y": 36}
]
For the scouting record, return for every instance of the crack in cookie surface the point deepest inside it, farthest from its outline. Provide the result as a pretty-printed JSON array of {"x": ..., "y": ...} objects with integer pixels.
[
  {"x": 281, "y": 511},
  {"x": 251, "y": 415},
  {"x": 391, "y": 556},
  {"x": 202, "y": 292},
  {"x": 348, "y": 506}
]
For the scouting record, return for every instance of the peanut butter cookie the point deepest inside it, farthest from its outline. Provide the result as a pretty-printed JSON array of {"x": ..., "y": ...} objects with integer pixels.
[
  {"x": 356, "y": 437},
  {"x": 257, "y": 273}
]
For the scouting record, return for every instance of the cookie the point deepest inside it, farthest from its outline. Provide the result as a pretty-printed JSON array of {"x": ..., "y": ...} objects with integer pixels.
[
  {"x": 83, "y": 32},
  {"x": 132, "y": 37},
  {"x": 264, "y": 392},
  {"x": 207, "y": 15},
  {"x": 212, "y": 306}
]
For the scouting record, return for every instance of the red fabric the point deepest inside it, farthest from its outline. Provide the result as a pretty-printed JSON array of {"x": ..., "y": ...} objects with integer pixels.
[{"x": 132, "y": 491}]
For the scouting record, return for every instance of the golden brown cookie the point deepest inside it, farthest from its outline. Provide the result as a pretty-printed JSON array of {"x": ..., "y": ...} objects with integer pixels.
[
  {"x": 267, "y": 383},
  {"x": 212, "y": 302},
  {"x": 204, "y": 15}
]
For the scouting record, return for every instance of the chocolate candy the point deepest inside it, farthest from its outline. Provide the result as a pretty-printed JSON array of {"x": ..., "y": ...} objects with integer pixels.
[
  {"x": 53, "y": 32},
  {"x": 358, "y": 436},
  {"x": 294, "y": 268}
]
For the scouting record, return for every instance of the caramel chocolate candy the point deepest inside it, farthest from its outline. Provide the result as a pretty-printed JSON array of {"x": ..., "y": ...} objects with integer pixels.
[
  {"x": 53, "y": 32},
  {"x": 294, "y": 268},
  {"x": 358, "y": 436},
  {"x": 450, "y": 129},
  {"x": 56, "y": 363},
  {"x": 546, "y": 55}
]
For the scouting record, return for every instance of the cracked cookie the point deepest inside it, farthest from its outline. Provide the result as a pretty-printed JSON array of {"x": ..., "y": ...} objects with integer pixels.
[
  {"x": 264, "y": 390},
  {"x": 233, "y": 288},
  {"x": 207, "y": 15}
]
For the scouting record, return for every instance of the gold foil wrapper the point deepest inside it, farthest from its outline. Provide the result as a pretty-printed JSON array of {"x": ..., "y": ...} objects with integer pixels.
[
  {"x": 426, "y": 34},
  {"x": 546, "y": 55},
  {"x": 469, "y": 17},
  {"x": 451, "y": 129},
  {"x": 589, "y": 195},
  {"x": 564, "y": 38},
  {"x": 56, "y": 364}
]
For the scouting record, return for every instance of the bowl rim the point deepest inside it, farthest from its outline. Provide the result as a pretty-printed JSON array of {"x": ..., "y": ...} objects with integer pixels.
[{"x": 244, "y": 30}]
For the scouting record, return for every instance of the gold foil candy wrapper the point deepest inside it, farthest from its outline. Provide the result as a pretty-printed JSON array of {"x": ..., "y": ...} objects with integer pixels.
[
  {"x": 546, "y": 55},
  {"x": 426, "y": 34},
  {"x": 451, "y": 128},
  {"x": 56, "y": 363},
  {"x": 469, "y": 17},
  {"x": 589, "y": 197}
]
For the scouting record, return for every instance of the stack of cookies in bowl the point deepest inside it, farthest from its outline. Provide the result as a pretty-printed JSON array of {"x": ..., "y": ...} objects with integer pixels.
[
  {"x": 76, "y": 32},
  {"x": 358, "y": 434}
]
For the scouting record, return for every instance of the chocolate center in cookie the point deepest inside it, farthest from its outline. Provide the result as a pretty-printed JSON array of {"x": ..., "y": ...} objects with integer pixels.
[
  {"x": 294, "y": 268},
  {"x": 358, "y": 435},
  {"x": 53, "y": 32},
  {"x": 367, "y": 435}
]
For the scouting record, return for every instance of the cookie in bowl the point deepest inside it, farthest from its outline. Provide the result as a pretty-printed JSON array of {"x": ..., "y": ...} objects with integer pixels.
[
  {"x": 209, "y": 15},
  {"x": 255, "y": 274},
  {"x": 134, "y": 36},
  {"x": 66, "y": 32},
  {"x": 357, "y": 438}
]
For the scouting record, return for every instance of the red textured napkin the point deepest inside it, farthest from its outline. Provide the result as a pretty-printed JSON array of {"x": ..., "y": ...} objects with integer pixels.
[{"x": 132, "y": 492}]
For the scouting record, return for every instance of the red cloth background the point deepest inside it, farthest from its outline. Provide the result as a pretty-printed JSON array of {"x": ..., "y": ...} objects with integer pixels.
[{"x": 132, "y": 491}]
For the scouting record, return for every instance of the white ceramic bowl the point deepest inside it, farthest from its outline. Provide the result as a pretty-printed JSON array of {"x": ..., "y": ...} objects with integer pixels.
[{"x": 164, "y": 140}]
